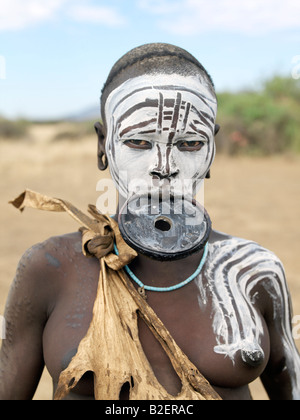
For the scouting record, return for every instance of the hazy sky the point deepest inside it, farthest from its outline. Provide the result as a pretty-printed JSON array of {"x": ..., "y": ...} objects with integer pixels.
[{"x": 55, "y": 54}]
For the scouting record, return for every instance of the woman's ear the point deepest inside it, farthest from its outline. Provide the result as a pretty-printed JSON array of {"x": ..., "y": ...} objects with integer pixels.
[{"x": 102, "y": 159}]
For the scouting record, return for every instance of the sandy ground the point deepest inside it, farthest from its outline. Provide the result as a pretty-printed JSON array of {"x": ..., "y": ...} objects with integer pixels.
[{"x": 252, "y": 198}]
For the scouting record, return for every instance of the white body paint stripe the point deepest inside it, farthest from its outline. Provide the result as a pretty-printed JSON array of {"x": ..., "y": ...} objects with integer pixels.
[{"x": 234, "y": 268}]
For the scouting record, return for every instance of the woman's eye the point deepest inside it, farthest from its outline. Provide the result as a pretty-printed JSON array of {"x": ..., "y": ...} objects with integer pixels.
[
  {"x": 190, "y": 145},
  {"x": 138, "y": 144}
]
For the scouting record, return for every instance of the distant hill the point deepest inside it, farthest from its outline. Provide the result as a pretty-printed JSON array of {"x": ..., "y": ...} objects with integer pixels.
[{"x": 90, "y": 113}]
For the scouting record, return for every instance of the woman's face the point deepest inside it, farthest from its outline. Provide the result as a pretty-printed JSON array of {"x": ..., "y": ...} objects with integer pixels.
[{"x": 160, "y": 134}]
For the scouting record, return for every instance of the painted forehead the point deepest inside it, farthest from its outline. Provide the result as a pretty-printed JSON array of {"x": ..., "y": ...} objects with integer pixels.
[{"x": 159, "y": 104}]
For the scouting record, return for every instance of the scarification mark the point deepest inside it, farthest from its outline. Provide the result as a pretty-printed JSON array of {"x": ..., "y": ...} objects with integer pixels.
[{"x": 52, "y": 260}]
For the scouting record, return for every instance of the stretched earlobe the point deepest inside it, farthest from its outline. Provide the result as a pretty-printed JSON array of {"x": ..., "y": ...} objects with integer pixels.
[
  {"x": 102, "y": 158},
  {"x": 217, "y": 129},
  {"x": 102, "y": 161}
]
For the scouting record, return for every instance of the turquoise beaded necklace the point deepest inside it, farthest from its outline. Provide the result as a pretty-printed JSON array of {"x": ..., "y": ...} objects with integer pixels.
[{"x": 143, "y": 287}]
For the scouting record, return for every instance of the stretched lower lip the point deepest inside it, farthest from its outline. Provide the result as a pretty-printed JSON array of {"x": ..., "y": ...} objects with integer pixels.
[{"x": 163, "y": 232}]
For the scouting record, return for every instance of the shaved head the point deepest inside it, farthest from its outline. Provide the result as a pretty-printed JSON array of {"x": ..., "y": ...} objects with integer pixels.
[{"x": 157, "y": 58}]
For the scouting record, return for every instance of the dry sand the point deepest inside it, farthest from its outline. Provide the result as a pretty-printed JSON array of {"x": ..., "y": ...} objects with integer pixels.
[{"x": 254, "y": 198}]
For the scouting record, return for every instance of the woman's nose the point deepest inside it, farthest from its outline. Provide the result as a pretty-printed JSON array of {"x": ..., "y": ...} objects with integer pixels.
[
  {"x": 164, "y": 173},
  {"x": 165, "y": 166}
]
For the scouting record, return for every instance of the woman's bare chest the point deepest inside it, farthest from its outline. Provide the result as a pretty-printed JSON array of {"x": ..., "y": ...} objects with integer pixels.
[
  {"x": 216, "y": 327},
  {"x": 191, "y": 327}
]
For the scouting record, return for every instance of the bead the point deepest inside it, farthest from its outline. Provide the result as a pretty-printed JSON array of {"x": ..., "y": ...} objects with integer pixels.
[{"x": 171, "y": 288}]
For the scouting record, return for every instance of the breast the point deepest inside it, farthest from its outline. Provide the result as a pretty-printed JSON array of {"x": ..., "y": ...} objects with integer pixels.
[
  {"x": 192, "y": 329},
  {"x": 72, "y": 313}
]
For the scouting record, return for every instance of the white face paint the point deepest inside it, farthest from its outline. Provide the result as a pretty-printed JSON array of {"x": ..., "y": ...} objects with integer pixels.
[{"x": 161, "y": 132}]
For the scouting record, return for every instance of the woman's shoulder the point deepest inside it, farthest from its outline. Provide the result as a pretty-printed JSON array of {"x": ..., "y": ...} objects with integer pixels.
[
  {"x": 243, "y": 253},
  {"x": 53, "y": 248}
]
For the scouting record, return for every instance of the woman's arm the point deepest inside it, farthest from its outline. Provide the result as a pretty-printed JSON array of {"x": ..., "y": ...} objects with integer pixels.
[
  {"x": 21, "y": 355},
  {"x": 281, "y": 377}
]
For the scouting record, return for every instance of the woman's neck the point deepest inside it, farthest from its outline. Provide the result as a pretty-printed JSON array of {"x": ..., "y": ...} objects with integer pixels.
[{"x": 164, "y": 273}]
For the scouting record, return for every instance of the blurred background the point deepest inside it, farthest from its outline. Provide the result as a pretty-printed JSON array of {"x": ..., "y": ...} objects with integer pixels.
[{"x": 54, "y": 58}]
